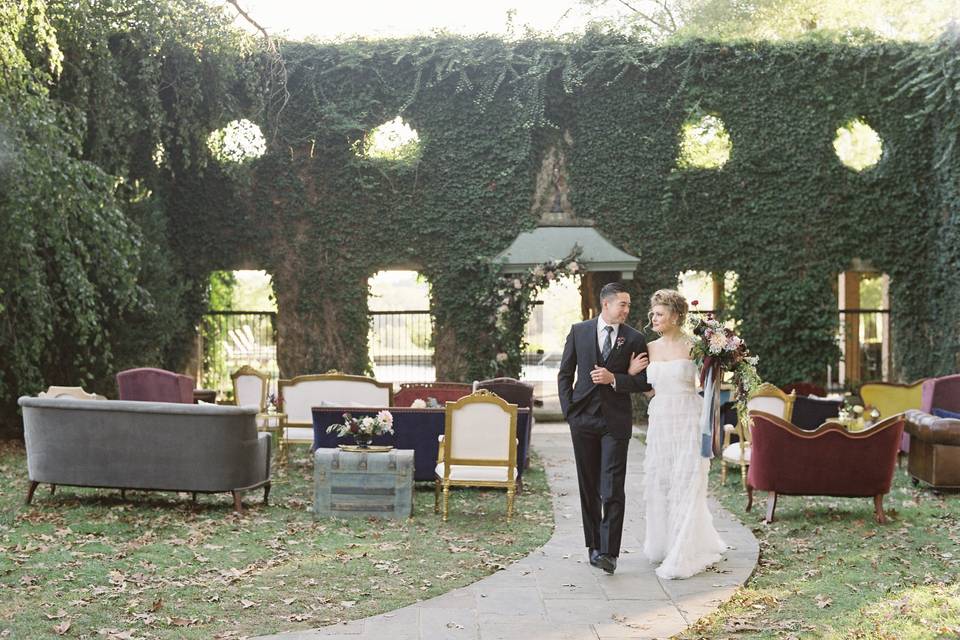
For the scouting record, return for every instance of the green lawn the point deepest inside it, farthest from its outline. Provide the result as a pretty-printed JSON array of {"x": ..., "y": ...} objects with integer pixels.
[
  {"x": 84, "y": 563},
  {"x": 827, "y": 570}
]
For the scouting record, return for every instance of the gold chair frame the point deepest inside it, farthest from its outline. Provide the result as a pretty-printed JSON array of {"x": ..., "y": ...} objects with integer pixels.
[
  {"x": 446, "y": 458},
  {"x": 247, "y": 370},
  {"x": 742, "y": 428}
]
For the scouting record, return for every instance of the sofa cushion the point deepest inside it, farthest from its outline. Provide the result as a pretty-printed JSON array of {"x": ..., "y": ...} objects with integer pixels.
[{"x": 943, "y": 413}]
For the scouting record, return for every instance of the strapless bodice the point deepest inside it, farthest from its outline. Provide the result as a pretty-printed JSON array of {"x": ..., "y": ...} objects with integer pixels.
[{"x": 673, "y": 376}]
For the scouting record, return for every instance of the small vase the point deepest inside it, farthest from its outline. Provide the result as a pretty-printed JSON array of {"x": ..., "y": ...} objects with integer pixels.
[{"x": 362, "y": 440}]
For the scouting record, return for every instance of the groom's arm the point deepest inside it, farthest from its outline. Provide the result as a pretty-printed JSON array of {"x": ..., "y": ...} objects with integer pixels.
[
  {"x": 626, "y": 383},
  {"x": 568, "y": 367}
]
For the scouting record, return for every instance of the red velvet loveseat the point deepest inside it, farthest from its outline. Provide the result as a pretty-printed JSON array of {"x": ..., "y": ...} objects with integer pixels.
[{"x": 828, "y": 461}]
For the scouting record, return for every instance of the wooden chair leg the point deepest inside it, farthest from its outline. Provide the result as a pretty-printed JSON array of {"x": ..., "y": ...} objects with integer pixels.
[
  {"x": 237, "y": 503},
  {"x": 193, "y": 496},
  {"x": 723, "y": 472},
  {"x": 123, "y": 494},
  {"x": 878, "y": 509},
  {"x": 743, "y": 475},
  {"x": 510, "y": 497},
  {"x": 30, "y": 490},
  {"x": 749, "y": 498},
  {"x": 446, "y": 502},
  {"x": 266, "y": 492},
  {"x": 771, "y": 506},
  {"x": 436, "y": 496},
  {"x": 53, "y": 489}
]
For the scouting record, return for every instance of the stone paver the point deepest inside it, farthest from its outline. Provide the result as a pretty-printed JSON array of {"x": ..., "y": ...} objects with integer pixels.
[{"x": 554, "y": 593}]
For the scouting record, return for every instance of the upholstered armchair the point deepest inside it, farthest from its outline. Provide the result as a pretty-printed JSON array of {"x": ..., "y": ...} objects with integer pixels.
[
  {"x": 441, "y": 391},
  {"x": 767, "y": 398},
  {"x": 828, "y": 461},
  {"x": 890, "y": 398},
  {"x": 155, "y": 385},
  {"x": 302, "y": 393},
  {"x": 478, "y": 447},
  {"x": 250, "y": 387},
  {"x": 515, "y": 392}
]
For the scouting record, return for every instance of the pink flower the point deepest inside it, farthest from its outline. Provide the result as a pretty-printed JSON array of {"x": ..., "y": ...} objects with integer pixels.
[
  {"x": 573, "y": 267},
  {"x": 386, "y": 418}
]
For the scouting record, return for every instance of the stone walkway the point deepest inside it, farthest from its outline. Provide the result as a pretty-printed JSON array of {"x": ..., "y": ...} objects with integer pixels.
[{"x": 554, "y": 593}]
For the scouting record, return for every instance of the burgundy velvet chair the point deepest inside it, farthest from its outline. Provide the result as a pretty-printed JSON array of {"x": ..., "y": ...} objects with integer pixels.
[
  {"x": 941, "y": 393},
  {"x": 804, "y": 389},
  {"x": 828, "y": 461},
  {"x": 155, "y": 385},
  {"x": 443, "y": 392}
]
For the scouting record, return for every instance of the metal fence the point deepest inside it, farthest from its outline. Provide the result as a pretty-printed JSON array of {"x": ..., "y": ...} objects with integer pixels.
[
  {"x": 231, "y": 339},
  {"x": 401, "y": 346}
]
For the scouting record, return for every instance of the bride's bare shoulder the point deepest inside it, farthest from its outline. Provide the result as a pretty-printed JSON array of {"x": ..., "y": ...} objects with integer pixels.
[{"x": 652, "y": 344}]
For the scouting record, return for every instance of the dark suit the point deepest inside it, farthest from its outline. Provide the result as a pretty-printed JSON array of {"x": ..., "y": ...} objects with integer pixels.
[{"x": 601, "y": 423}]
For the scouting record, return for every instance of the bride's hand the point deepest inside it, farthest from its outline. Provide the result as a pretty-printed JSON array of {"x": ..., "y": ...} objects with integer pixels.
[{"x": 638, "y": 362}]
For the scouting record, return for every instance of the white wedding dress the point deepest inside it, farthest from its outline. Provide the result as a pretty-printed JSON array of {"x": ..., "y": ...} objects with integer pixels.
[{"x": 680, "y": 533}]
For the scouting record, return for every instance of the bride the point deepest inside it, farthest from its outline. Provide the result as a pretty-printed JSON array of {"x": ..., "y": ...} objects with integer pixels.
[{"x": 680, "y": 534}]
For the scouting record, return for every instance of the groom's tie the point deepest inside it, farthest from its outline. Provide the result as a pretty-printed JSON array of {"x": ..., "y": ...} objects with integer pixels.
[{"x": 607, "y": 343}]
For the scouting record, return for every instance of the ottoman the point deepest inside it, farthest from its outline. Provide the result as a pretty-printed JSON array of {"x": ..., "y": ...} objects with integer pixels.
[
  {"x": 348, "y": 484},
  {"x": 934, "y": 456}
]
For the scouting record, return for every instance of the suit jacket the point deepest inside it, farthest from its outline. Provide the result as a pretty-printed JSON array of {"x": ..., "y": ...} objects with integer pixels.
[{"x": 580, "y": 353}]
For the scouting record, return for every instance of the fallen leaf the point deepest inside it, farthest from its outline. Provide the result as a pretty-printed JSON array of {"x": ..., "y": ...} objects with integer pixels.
[
  {"x": 246, "y": 604},
  {"x": 823, "y": 601},
  {"x": 62, "y": 628}
]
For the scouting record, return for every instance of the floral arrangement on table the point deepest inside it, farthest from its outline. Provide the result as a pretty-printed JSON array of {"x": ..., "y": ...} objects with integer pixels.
[
  {"x": 363, "y": 429},
  {"x": 515, "y": 294},
  {"x": 715, "y": 345},
  {"x": 854, "y": 416}
]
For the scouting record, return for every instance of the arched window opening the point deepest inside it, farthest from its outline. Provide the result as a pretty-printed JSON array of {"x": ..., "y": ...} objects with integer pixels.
[{"x": 400, "y": 338}]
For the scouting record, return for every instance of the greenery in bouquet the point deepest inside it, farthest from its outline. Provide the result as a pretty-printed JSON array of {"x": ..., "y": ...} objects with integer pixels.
[
  {"x": 715, "y": 345},
  {"x": 366, "y": 426}
]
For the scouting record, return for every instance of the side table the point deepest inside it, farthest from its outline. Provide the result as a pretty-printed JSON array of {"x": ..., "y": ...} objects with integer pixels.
[{"x": 275, "y": 424}]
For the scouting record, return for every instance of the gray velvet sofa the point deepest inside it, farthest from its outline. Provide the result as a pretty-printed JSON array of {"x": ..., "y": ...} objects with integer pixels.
[{"x": 145, "y": 445}]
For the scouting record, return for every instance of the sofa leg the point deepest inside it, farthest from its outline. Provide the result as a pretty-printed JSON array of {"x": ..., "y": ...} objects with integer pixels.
[
  {"x": 123, "y": 494},
  {"x": 30, "y": 490},
  {"x": 266, "y": 493},
  {"x": 771, "y": 506},
  {"x": 749, "y": 498},
  {"x": 878, "y": 509},
  {"x": 193, "y": 497},
  {"x": 237, "y": 503},
  {"x": 53, "y": 489}
]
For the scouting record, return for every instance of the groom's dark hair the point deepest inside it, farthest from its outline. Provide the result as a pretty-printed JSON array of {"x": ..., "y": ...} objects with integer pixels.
[{"x": 611, "y": 289}]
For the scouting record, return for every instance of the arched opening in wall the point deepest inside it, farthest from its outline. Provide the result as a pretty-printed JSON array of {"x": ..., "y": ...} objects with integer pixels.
[
  {"x": 393, "y": 141},
  {"x": 864, "y": 305},
  {"x": 858, "y": 145},
  {"x": 400, "y": 338},
  {"x": 237, "y": 142},
  {"x": 239, "y": 328},
  {"x": 556, "y": 308},
  {"x": 704, "y": 143},
  {"x": 714, "y": 292}
]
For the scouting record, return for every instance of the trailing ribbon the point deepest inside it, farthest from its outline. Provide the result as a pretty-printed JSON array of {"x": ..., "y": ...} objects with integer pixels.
[{"x": 708, "y": 417}]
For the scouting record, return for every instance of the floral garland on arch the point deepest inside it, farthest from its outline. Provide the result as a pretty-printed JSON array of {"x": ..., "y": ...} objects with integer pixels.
[
  {"x": 715, "y": 345},
  {"x": 515, "y": 295}
]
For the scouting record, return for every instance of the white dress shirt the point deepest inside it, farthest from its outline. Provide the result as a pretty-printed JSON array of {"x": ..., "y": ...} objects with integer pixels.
[{"x": 602, "y": 334}]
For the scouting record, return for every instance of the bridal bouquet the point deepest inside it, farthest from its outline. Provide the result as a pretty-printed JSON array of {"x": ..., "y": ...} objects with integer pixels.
[
  {"x": 363, "y": 429},
  {"x": 715, "y": 345}
]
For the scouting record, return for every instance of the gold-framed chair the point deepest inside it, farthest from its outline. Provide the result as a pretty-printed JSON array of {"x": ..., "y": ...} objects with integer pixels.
[
  {"x": 767, "y": 398},
  {"x": 478, "y": 448},
  {"x": 77, "y": 393},
  {"x": 250, "y": 387}
]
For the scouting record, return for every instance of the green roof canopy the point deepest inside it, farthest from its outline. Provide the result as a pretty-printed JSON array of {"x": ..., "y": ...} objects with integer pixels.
[{"x": 544, "y": 244}]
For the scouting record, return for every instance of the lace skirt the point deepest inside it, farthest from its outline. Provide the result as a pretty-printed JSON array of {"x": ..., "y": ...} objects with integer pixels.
[{"x": 679, "y": 527}]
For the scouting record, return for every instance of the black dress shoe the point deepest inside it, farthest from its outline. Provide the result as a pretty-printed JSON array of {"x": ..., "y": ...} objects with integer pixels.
[
  {"x": 594, "y": 554},
  {"x": 607, "y": 563}
]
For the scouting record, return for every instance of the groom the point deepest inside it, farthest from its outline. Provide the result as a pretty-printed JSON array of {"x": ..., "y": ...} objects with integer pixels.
[{"x": 598, "y": 409}]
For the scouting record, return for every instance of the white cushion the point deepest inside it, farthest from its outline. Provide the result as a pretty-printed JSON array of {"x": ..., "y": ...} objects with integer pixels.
[
  {"x": 732, "y": 454},
  {"x": 773, "y": 406},
  {"x": 468, "y": 473},
  {"x": 480, "y": 431}
]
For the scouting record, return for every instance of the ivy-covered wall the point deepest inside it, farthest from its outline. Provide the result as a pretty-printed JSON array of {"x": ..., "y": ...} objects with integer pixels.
[
  {"x": 783, "y": 213},
  {"x": 123, "y": 281}
]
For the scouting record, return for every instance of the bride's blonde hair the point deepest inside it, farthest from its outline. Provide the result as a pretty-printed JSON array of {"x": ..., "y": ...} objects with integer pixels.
[{"x": 672, "y": 300}]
